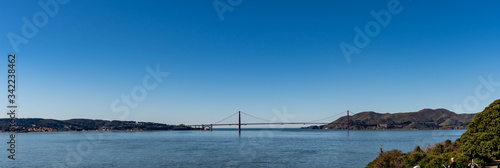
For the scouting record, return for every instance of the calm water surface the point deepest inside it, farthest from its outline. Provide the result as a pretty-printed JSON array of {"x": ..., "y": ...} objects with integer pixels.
[{"x": 255, "y": 148}]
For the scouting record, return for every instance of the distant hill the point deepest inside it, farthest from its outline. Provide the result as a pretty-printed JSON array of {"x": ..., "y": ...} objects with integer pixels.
[
  {"x": 423, "y": 119},
  {"x": 43, "y": 125}
]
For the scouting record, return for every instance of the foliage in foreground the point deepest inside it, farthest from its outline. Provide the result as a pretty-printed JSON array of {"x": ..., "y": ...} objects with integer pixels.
[
  {"x": 481, "y": 141},
  {"x": 434, "y": 156},
  {"x": 482, "y": 138}
]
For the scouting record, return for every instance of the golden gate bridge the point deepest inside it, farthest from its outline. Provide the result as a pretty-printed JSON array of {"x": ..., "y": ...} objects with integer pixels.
[{"x": 267, "y": 122}]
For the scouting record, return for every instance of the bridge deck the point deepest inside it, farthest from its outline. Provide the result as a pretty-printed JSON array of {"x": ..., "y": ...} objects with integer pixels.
[{"x": 302, "y": 123}]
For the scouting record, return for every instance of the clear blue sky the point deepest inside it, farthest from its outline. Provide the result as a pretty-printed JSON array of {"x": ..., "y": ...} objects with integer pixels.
[{"x": 263, "y": 55}]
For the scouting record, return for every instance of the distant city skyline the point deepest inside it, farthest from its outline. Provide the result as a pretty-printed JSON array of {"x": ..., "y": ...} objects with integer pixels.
[{"x": 180, "y": 62}]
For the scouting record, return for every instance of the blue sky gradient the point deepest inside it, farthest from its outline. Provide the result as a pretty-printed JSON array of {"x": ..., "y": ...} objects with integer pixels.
[{"x": 262, "y": 56}]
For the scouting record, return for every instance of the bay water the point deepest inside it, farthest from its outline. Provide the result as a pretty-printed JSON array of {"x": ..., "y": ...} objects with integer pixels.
[{"x": 218, "y": 148}]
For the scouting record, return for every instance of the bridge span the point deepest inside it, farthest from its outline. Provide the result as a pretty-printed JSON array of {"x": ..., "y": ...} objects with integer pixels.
[{"x": 239, "y": 124}]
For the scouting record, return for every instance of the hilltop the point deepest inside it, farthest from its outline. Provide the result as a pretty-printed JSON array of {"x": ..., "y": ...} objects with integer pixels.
[
  {"x": 45, "y": 125},
  {"x": 423, "y": 119}
]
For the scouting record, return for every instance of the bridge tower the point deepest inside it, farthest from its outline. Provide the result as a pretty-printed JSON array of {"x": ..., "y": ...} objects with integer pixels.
[
  {"x": 347, "y": 120},
  {"x": 239, "y": 122}
]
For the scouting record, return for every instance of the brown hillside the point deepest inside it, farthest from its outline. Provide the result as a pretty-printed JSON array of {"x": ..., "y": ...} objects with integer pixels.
[{"x": 423, "y": 119}]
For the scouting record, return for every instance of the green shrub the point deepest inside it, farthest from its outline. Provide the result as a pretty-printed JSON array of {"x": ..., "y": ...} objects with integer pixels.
[
  {"x": 389, "y": 159},
  {"x": 417, "y": 149},
  {"x": 482, "y": 138},
  {"x": 414, "y": 158}
]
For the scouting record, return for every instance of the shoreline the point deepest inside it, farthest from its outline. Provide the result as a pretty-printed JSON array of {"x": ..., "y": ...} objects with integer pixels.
[{"x": 234, "y": 129}]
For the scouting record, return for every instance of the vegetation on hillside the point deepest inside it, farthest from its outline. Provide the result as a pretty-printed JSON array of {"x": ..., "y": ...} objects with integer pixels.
[
  {"x": 42, "y": 125},
  {"x": 423, "y": 119},
  {"x": 434, "y": 156},
  {"x": 481, "y": 141}
]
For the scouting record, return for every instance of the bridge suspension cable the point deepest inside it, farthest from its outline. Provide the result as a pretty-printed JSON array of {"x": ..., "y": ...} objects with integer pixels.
[
  {"x": 226, "y": 118},
  {"x": 336, "y": 115},
  {"x": 258, "y": 117},
  {"x": 271, "y": 121}
]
